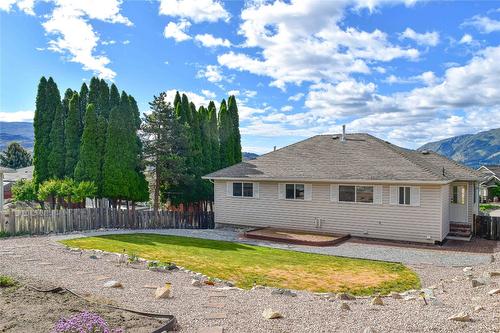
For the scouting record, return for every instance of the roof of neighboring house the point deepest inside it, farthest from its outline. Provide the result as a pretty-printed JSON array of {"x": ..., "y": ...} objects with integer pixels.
[
  {"x": 6, "y": 170},
  {"x": 360, "y": 157},
  {"x": 493, "y": 169},
  {"x": 21, "y": 173}
]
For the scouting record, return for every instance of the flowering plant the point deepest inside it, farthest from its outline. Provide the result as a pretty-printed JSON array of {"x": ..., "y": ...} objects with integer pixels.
[{"x": 84, "y": 322}]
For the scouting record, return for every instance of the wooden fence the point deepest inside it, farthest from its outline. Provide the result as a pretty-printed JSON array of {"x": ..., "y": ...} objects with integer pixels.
[
  {"x": 38, "y": 222},
  {"x": 488, "y": 227}
]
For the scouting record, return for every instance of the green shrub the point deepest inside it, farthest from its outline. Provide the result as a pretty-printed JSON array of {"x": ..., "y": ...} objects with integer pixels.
[{"x": 7, "y": 281}]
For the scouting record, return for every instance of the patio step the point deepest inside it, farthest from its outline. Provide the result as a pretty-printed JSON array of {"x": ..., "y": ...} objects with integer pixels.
[{"x": 459, "y": 238}]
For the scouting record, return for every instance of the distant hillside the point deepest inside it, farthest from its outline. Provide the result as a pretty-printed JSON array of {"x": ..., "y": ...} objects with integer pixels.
[
  {"x": 249, "y": 156},
  {"x": 21, "y": 132},
  {"x": 472, "y": 150}
]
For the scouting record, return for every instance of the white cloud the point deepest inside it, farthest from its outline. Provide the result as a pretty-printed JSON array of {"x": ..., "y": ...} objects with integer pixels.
[
  {"x": 17, "y": 116},
  {"x": 286, "y": 108},
  {"x": 233, "y": 92},
  {"x": 212, "y": 73},
  {"x": 466, "y": 39},
  {"x": 428, "y": 78},
  {"x": 108, "y": 42},
  {"x": 427, "y": 38},
  {"x": 297, "y": 97},
  {"x": 198, "y": 100},
  {"x": 177, "y": 31},
  {"x": 208, "y": 94},
  {"x": 75, "y": 36},
  {"x": 27, "y": 6},
  {"x": 198, "y": 11},
  {"x": 483, "y": 23},
  {"x": 301, "y": 41},
  {"x": 125, "y": 42},
  {"x": 209, "y": 40}
]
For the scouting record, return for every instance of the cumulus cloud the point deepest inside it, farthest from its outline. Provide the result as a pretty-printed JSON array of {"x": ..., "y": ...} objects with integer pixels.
[
  {"x": 301, "y": 41},
  {"x": 17, "y": 116},
  {"x": 177, "y": 31},
  {"x": 297, "y": 97},
  {"x": 208, "y": 93},
  {"x": 27, "y": 6},
  {"x": 426, "y": 38},
  {"x": 209, "y": 40},
  {"x": 197, "y": 11},
  {"x": 483, "y": 23},
  {"x": 466, "y": 39},
  {"x": 212, "y": 73}
]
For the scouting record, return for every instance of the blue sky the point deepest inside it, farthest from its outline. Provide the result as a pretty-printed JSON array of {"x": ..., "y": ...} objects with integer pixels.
[{"x": 406, "y": 71}]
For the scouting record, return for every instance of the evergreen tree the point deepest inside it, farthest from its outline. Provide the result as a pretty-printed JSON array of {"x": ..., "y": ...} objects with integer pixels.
[
  {"x": 88, "y": 166},
  {"x": 42, "y": 124},
  {"x": 84, "y": 96},
  {"x": 184, "y": 110},
  {"x": 226, "y": 137},
  {"x": 102, "y": 134},
  {"x": 214, "y": 136},
  {"x": 15, "y": 157},
  {"x": 236, "y": 137},
  {"x": 94, "y": 89},
  {"x": 103, "y": 100},
  {"x": 68, "y": 94},
  {"x": 177, "y": 100},
  {"x": 57, "y": 149},
  {"x": 114, "y": 97},
  {"x": 135, "y": 111},
  {"x": 72, "y": 135}
]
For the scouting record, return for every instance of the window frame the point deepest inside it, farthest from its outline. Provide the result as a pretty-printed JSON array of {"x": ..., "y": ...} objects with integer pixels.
[
  {"x": 242, "y": 184},
  {"x": 295, "y": 192},
  {"x": 406, "y": 195},
  {"x": 356, "y": 194}
]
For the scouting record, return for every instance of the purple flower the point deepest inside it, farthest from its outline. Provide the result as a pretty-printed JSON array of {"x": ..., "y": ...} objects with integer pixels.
[{"x": 84, "y": 322}]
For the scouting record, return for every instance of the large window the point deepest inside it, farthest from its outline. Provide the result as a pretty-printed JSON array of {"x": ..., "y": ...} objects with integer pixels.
[
  {"x": 458, "y": 194},
  {"x": 294, "y": 191},
  {"x": 404, "y": 195},
  {"x": 243, "y": 190},
  {"x": 356, "y": 193}
]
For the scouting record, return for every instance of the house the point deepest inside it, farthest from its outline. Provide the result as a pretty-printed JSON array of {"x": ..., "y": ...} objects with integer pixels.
[
  {"x": 3, "y": 171},
  {"x": 352, "y": 184},
  {"x": 12, "y": 177},
  {"x": 490, "y": 179}
]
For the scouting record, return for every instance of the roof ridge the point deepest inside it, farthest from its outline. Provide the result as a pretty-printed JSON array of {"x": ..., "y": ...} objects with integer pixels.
[{"x": 399, "y": 152}]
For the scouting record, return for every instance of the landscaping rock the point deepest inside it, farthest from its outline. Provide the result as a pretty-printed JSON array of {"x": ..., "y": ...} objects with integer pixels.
[
  {"x": 467, "y": 269},
  {"x": 494, "y": 292},
  {"x": 229, "y": 283},
  {"x": 478, "y": 308},
  {"x": 369, "y": 330},
  {"x": 271, "y": 314},
  {"x": 162, "y": 292},
  {"x": 284, "y": 292},
  {"x": 494, "y": 273},
  {"x": 462, "y": 316},
  {"x": 258, "y": 287},
  {"x": 477, "y": 283},
  {"x": 196, "y": 283},
  {"x": 377, "y": 301},
  {"x": 93, "y": 256},
  {"x": 113, "y": 284},
  {"x": 409, "y": 298},
  {"x": 395, "y": 295},
  {"x": 209, "y": 283},
  {"x": 344, "y": 306},
  {"x": 345, "y": 297}
]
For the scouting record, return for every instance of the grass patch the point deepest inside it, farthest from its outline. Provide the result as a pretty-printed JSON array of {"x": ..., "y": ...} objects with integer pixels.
[
  {"x": 488, "y": 207},
  {"x": 7, "y": 281},
  {"x": 248, "y": 264},
  {"x": 5, "y": 234}
]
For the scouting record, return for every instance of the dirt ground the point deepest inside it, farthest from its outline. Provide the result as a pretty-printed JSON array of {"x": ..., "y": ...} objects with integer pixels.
[{"x": 24, "y": 310}]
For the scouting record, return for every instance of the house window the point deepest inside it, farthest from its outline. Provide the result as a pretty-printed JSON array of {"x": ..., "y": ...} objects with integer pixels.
[
  {"x": 404, "y": 195},
  {"x": 243, "y": 190},
  {"x": 458, "y": 195},
  {"x": 356, "y": 193},
  {"x": 294, "y": 191}
]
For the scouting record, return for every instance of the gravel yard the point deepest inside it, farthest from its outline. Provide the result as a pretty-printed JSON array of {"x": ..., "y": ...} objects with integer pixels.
[{"x": 42, "y": 258}]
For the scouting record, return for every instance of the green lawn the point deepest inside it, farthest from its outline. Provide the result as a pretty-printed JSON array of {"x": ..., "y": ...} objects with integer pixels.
[
  {"x": 247, "y": 264},
  {"x": 488, "y": 207}
]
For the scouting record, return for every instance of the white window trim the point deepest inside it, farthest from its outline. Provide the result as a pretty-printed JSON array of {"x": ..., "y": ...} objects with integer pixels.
[
  {"x": 356, "y": 195},
  {"x": 255, "y": 190},
  {"x": 414, "y": 192},
  {"x": 294, "y": 196},
  {"x": 404, "y": 199}
]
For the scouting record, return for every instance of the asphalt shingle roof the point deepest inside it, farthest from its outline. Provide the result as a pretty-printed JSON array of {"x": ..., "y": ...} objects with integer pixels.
[{"x": 360, "y": 157}]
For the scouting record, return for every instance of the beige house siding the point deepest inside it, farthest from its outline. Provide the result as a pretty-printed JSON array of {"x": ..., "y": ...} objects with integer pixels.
[
  {"x": 419, "y": 224},
  {"x": 445, "y": 209}
]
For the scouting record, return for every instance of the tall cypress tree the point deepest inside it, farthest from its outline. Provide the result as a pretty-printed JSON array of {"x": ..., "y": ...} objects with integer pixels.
[
  {"x": 72, "y": 135},
  {"x": 102, "y": 136},
  {"x": 41, "y": 127},
  {"x": 94, "y": 89},
  {"x": 226, "y": 137},
  {"x": 84, "y": 97},
  {"x": 114, "y": 97},
  {"x": 214, "y": 136},
  {"x": 233, "y": 113},
  {"x": 88, "y": 166},
  {"x": 57, "y": 149},
  {"x": 103, "y": 99},
  {"x": 68, "y": 94},
  {"x": 177, "y": 100}
]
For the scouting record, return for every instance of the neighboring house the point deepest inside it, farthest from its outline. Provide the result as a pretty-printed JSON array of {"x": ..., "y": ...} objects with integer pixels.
[
  {"x": 490, "y": 179},
  {"x": 3, "y": 171},
  {"x": 350, "y": 184},
  {"x": 14, "y": 176}
]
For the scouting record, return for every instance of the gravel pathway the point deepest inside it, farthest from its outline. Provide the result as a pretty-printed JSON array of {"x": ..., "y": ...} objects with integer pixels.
[
  {"x": 347, "y": 249},
  {"x": 42, "y": 258}
]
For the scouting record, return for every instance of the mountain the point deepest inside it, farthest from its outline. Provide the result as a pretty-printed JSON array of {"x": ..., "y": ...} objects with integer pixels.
[
  {"x": 249, "y": 156},
  {"x": 472, "y": 150},
  {"x": 21, "y": 132}
]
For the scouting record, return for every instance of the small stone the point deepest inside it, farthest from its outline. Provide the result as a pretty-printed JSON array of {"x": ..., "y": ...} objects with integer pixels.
[
  {"x": 162, "y": 292},
  {"x": 494, "y": 292},
  {"x": 344, "y": 306},
  {"x": 345, "y": 297},
  {"x": 284, "y": 292},
  {"x": 113, "y": 284},
  {"x": 395, "y": 295},
  {"x": 462, "y": 316},
  {"x": 494, "y": 273},
  {"x": 93, "y": 256},
  {"x": 271, "y": 314},
  {"x": 215, "y": 305},
  {"x": 149, "y": 286},
  {"x": 258, "y": 287},
  {"x": 478, "y": 308},
  {"x": 377, "y": 301},
  {"x": 369, "y": 330},
  {"x": 209, "y": 283},
  {"x": 216, "y": 329},
  {"x": 103, "y": 277},
  {"x": 477, "y": 283},
  {"x": 221, "y": 315},
  {"x": 409, "y": 298},
  {"x": 467, "y": 269},
  {"x": 196, "y": 283},
  {"x": 229, "y": 284}
]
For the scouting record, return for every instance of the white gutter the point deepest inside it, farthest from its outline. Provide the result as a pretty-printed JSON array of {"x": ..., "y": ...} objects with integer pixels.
[{"x": 345, "y": 181}]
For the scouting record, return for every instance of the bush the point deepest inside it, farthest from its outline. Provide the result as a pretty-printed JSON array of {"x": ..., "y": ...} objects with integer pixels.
[
  {"x": 7, "y": 281},
  {"x": 24, "y": 190}
]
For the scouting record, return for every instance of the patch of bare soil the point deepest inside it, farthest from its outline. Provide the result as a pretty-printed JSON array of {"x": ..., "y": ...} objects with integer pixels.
[{"x": 25, "y": 310}]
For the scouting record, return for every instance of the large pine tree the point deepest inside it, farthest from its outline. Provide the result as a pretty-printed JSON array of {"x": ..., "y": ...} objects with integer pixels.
[
  {"x": 88, "y": 166},
  {"x": 72, "y": 135}
]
